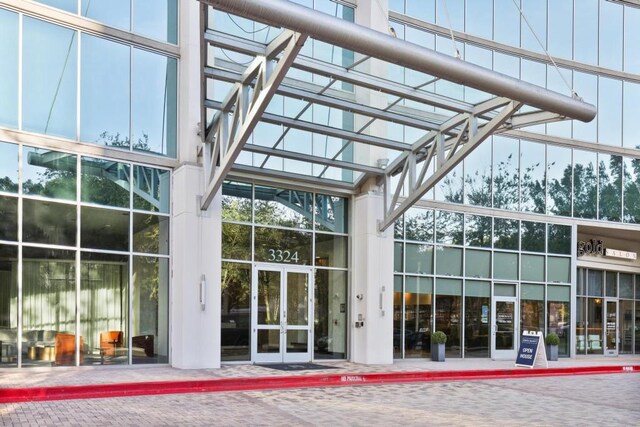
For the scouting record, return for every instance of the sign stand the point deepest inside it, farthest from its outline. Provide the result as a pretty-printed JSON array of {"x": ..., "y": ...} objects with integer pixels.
[{"x": 532, "y": 350}]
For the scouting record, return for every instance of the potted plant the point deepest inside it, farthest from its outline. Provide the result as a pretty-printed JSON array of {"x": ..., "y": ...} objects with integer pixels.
[
  {"x": 438, "y": 340},
  {"x": 552, "y": 342}
]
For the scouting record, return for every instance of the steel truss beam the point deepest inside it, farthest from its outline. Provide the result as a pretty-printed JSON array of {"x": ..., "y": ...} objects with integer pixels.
[
  {"x": 445, "y": 152},
  {"x": 243, "y": 107}
]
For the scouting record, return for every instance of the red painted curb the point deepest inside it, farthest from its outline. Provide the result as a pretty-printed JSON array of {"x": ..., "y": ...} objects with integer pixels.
[{"x": 32, "y": 394}]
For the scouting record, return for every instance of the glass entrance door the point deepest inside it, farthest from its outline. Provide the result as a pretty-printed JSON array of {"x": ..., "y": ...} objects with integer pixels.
[
  {"x": 611, "y": 327},
  {"x": 504, "y": 336},
  {"x": 281, "y": 323}
]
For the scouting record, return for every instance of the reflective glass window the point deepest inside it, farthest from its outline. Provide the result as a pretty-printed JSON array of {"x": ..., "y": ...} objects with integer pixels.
[
  {"x": 448, "y": 261},
  {"x": 626, "y": 285},
  {"x": 398, "y": 257},
  {"x": 153, "y": 103},
  {"x": 559, "y": 176},
  {"x": 631, "y": 37},
  {"x": 115, "y": 13},
  {"x": 8, "y": 167},
  {"x": 611, "y": 288},
  {"x": 631, "y": 212},
  {"x": 559, "y": 239},
  {"x": 422, "y": 9},
  {"x": 506, "y": 233},
  {"x": 609, "y": 111},
  {"x": 631, "y": 105},
  {"x": 331, "y": 251},
  {"x": 104, "y": 107},
  {"x": 532, "y": 177},
  {"x": 9, "y": 67},
  {"x": 151, "y": 189},
  {"x": 477, "y": 264},
  {"x": 477, "y": 303},
  {"x": 584, "y": 184},
  {"x": 9, "y": 215},
  {"x": 536, "y": 13},
  {"x": 331, "y": 213},
  {"x": 104, "y": 229},
  {"x": 585, "y": 38},
  {"x": 419, "y": 259},
  {"x": 48, "y": 222},
  {"x": 507, "y": 22},
  {"x": 450, "y": 188},
  {"x": 610, "y": 35},
  {"x": 594, "y": 283},
  {"x": 9, "y": 306},
  {"x": 448, "y": 312},
  {"x": 505, "y": 173},
  {"x": 150, "y": 310},
  {"x": 478, "y": 231},
  {"x": 479, "y": 18},
  {"x": 558, "y": 270},
  {"x": 506, "y": 64},
  {"x": 104, "y": 308},
  {"x": 484, "y": 58},
  {"x": 49, "y": 307},
  {"x": 68, "y": 5},
  {"x": 150, "y": 234},
  {"x": 560, "y": 15},
  {"x": 533, "y": 236},
  {"x": 105, "y": 182},
  {"x": 330, "y": 325},
  {"x": 49, "y": 173},
  {"x": 237, "y": 201},
  {"x": 559, "y": 80},
  {"x": 477, "y": 176},
  {"x": 157, "y": 19},
  {"x": 419, "y": 224},
  {"x": 283, "y": 207},
  {"x": 49, "y": 77},
  {"x": 236, "y": 311},
  {"x": 531, "y": 307},
  {"x": 450, "y": 14},
  {"x": 236, "y": 241},
  {"x": 449, "y": 228},
  {"x": 532, "y": 267},
  {"x": 418, "y": 299},
  {"x": 610, "y": 187},
  {"x": 587, "y": 86},
  {"x": 505, "y": 266},
  {"x": 282, "y": 246}
]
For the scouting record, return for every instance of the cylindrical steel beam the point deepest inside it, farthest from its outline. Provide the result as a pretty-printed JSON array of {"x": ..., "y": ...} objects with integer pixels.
[{"x": 286, "y": 14}]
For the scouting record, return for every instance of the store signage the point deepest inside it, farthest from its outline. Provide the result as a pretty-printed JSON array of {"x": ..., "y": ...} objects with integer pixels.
[
  {"x": 617, "y": 253},
  {"x": 531, "y": 351},
  {"x": 596, "y": 247}
]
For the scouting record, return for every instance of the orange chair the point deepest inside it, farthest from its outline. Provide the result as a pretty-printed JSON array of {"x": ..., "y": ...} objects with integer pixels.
[
  {"x": 66, "y": 349},
  {"x": 110, "y": 342}
]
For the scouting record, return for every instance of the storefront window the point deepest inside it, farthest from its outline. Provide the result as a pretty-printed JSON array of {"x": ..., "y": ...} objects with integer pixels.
[
  {"x": 477, "y": 318},
  {"x": 558, "y": 315},
  {"x": 330, "y": 324},
  {"x": 448, "y": 314},
  {"x": 236, "y": 311},
  {"x": 418, "y": 303},
  {"x": 9, "y": 305},
  {"x": 531, "y": 307}
]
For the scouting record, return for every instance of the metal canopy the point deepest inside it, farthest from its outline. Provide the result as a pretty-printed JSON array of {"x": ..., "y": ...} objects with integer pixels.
[{"x": 288, "y": 114}]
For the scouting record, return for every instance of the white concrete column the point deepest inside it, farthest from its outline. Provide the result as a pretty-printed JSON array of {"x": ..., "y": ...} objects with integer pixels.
[
  {"x": 196, "y": 235},
  {"x": 372, "y": 290}
]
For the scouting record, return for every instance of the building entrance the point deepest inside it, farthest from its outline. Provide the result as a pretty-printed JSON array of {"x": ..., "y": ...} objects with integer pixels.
[
  {"x": 611, "y": 327},
  {"x": 281, "y": 300},
  {"x": 504, "y": 312}
]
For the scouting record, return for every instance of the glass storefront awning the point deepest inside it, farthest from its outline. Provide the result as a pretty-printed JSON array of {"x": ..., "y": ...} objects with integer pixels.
[{"x": 298, "y": 94}]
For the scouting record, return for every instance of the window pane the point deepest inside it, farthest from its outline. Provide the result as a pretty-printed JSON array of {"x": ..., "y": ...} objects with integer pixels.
[
  {"x": 449, "y": 228},
  {"x": 49, "y": 79},
  {"x": 154, "y": 103},
  {"x": 594, "y": 283},
  {"x": 9, "y": 215},
  {"x": 68, "y": 5},
  {"x": 626, "y": 285},
  {"x": 478, "y": 231},
  {"x": 9, "y": 305},
  {"x": 479, "y": 18},
  {"x": 631, "y": 126},
  {"x": 236, "y": 201},
  {"x": 104, "y": 229},
  {"x": 585, "y": 38},
  {"x": 610, "y": 35},
  {"x": 505, "y": 173},
  {"x": 559, "y": 175},
  {"x": 331, "y": 251},
  {"x": 584, "y": 184},
  {"x": 150, "y": 310},
  {"x": 115, "y": 13},
  {"x": 49, "y": 173},
  {"x": 448, "y": 261},
  {"x": 236, "y": 241},
  {"x": 507, "y": 23},
  {"x": 478, "y": 264},
  {"x": 9, "y": 167},
  {"x": 236, "y": 311},
  {"x": 282, "y": 246},
  {"x": 536, "y": 13},
  {"x": 533, "y": 267},
  {"x": 422, "y": 9},
  {"x": 398, "y": 257},
  {"x": 332, "y": 214},
  {"x": 477, "y": 178},
  {"x": 610, "y": 186},
  {"x": 448, "y": 313},
  {"x": 533, "y": 236},
  {"x": 151, "y": 189},
  {"x": 330, "y": 310},
  {"x": 287, "y": 208},
  {"x": 105, "y": 182},
  {"x": 150, "y": 234},
  {"x": 104, "y": 308},
  {"x": 506, "y": 234},
  {"x": 47, "y": 222},
  {"x": 48, "y": 307},
  {"x": 9, "y": 67},
  {"x": 611, "y": 289},
  {"x": 559, "y": 239},
  {"x": 104, "y": 107},
  {"x": 156, "y": 19},
  {"x": 560, "y": 16},
  {"x": 419, "y": 259},
  {"x": 609, "y": 111},
  {"x": 587, "y": 86},
  {"x": 532, "y": 177},
  {"x": 505, "y": 266},
  {"x": 631, "y": 190},
  {"x": 419, "y": 225},
  {"x": 631, "y": 37}
]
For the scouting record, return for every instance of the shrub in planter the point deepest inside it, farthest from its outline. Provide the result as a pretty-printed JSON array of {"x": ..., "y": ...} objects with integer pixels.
[
  {"x": 552, "y": 340},
  {"x": 438, "y": 340}
]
